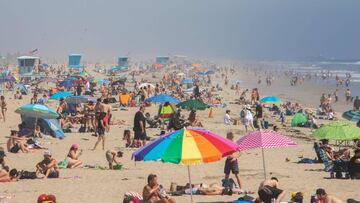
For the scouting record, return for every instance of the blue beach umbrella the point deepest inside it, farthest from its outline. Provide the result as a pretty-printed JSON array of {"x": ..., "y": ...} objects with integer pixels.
[
  {"x": 270, "y": 99},
  {"x": 162, "y": 98},
  {"x": 187, "y": 81},
  {"x": 61, "y": 95}
]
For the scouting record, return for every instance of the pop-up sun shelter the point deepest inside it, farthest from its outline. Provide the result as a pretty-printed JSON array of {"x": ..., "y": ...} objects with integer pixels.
[
  {"x": 47, "y": 126},
  {"x": 163, "y": 60}
]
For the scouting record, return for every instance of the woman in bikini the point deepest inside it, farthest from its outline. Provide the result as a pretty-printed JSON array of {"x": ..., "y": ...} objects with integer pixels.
[
  {"x": 73, "y": 157},
  {"x": 3, "y": 107},
  {"x": 90, "y": 115}
]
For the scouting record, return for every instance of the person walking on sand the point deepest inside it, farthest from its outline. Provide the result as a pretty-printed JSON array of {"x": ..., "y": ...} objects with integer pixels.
[
  {"x": 336, "y": 95},
  {"x": 3, "y": 106},
  {"x": 231, "y": 163},
  {"x": 100, "y": 130},
  {"x": 248, "y": 119}
]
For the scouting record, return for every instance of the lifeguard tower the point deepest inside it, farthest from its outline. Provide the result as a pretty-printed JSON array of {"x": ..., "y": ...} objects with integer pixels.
[
  {"x": 26, "y": 65},
  {"x": 123, "y": 61},
  {"x": 163, "y": 60},
  {"x": 74, "y": 61}
]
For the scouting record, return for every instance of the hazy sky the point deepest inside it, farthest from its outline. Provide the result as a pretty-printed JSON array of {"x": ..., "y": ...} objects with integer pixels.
[{"x": 235, "y": 29}]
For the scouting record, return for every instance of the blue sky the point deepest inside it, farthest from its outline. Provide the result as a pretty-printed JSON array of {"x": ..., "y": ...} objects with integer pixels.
[{"x": 234, "y": 29}]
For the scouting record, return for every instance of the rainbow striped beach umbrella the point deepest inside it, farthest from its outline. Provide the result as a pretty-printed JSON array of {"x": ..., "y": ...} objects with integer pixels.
[{"x": 186, "y": 146}]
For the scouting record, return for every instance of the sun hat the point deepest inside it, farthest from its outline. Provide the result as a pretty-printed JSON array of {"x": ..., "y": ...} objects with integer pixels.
[
  {"x": 74, "y": 146},
  {"x": 47, "y": 153}
]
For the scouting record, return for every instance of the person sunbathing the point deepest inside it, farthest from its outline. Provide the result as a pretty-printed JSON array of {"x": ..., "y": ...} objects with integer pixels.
[
  {"x": 47, "y": 167},
  {"x": 73, "y": 157},
  {"x": 16, "y": 143},
  {"x": 5, "y": 176},
  {"x": 194, "y": 121}
]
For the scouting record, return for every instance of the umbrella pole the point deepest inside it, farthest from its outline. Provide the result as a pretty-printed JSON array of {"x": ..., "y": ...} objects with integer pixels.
[
  {"x": 263, "y": 158},
  {"x": 191, "y": 195},
  {"x": 36, "y": 120}
]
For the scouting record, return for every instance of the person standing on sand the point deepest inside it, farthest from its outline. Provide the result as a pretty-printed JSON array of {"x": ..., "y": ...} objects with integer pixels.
[
  {"x": 357, "y": 103},
  {"x": 3, "y": 106},
  {"x": 231, "y": 163},
  {"x": 139, "y": 127},
  {"x": 323, "y": 197}
]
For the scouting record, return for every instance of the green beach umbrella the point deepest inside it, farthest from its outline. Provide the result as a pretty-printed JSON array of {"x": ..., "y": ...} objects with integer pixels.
[
  {"x": 338, "y": 131},
  {"x": 194, "y": 104},
  {"x": 299, "y": 118},
  {"x": 352, "y": 115}
]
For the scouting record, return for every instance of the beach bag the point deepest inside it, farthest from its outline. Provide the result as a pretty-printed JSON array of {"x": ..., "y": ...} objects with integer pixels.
[{"x": 228, "y": 183}]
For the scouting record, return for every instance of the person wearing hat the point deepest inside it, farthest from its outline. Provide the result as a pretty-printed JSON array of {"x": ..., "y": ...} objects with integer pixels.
[
  {"x": 47, "y": 167},
  {"x": 73, "y": 157},
  {"x": 322, "y": 196},
  {"x": 248, "y": 118}
]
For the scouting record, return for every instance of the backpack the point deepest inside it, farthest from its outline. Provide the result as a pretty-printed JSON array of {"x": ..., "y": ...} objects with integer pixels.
[
  {"x": 242, "y": 114},
  {"x": 228, "y": 183}
]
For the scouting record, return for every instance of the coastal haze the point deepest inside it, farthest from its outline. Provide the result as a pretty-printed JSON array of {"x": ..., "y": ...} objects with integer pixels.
[{"x": 231, "y": 29}]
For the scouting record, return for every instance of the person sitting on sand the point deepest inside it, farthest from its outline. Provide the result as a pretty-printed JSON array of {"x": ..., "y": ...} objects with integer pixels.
[
  {"x": 227, "y": 119},
  {"x": 194, "y": 120},
  {"x": 18, "y": 94},
  {"x": 323, "y": 197},
  {"x": 354, "y": 165},
  {"x": 269, "y": 190},
  {"x": 5, "y": 176},
  {"x": 111, "y": 157},
  {"x": 343, "y": 154},
  {"x": 73, "y": 157},
  {"x": 16, "y": 143},
  {"x": 127, "y": 137},
  {"x": 37, "y": 132},
  {"x": 152, "y": 191},
  {"x": 47, "y": 167}
]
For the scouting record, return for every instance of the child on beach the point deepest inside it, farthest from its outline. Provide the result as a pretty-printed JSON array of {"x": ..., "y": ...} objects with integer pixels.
[
  {"x": 111, "y": 157},
  {"x": 127, "y": 137}
]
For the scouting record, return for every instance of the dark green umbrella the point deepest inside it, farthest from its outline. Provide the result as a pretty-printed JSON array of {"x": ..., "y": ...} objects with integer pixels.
[
  {"x": 193, "y": 104},
  {"x": 299, "y": 119},
  {"x": 352, "y": 115}
]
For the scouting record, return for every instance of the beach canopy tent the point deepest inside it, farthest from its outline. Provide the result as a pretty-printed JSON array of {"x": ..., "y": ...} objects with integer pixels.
[
  {"x": 75, "y": 61},
  {"x": 26, "y": 64},
  {"x": 47, "y": 126}
]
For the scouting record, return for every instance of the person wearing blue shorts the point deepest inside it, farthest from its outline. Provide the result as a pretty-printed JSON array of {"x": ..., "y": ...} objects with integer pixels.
[{"x": 101, "y": 130}]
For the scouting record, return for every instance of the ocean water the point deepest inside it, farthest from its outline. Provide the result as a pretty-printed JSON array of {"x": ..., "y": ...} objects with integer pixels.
[{"x": 339, "y": 68}]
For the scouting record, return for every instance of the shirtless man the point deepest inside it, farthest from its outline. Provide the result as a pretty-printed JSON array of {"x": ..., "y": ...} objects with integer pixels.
[
  {"x": 152, "y": 193},
  {"x": 269, "y": 190},
  {"x": 326, "y": 198},
  {"x": 47, "y": 167},
  {"x": 106, "y": 108}
]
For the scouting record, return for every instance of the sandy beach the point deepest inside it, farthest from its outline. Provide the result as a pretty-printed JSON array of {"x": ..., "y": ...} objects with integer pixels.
[{"x": 94, "y": 185}]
